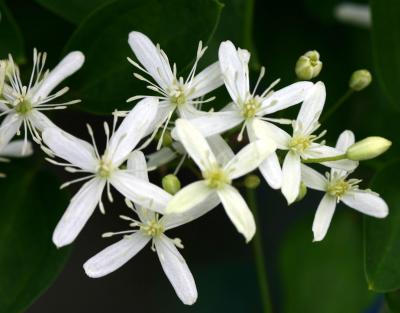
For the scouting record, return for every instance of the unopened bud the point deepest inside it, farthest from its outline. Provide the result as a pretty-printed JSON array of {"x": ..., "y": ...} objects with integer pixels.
[
  {"x": 167, "y": 139},
  {"x": 368, "y": 148},
  {"x": 360, "y": 79},
  {"x": 171, "y": 184},
  {"x": 308, "y": 66},
  {"x": 302, "y": 192},
  {"x": 252, "y": 181}
]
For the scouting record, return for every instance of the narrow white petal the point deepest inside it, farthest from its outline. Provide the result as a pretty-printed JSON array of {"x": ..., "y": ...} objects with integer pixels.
[
  {"x": 78, "y": 212},
  {"x": 137, "y": 165},
  {"x": 207, "y": 80},
  {"x": 161, "y": 157},
  {"x": 323, "y": 217},
  {"x": 285, "y": 97},
  {"x": 195, "y": 144},
  {"x": 132, "y": 129},
  {"x": 272, "y": 171},
  {"x": 189, "y": 197},
  {"x": 139, "y": 191},
  {"x": 321, "y": 151},
  {"x": 250, "y": 157},
  {"x": 40, "y": 121},
  {"x": 291, "y": 176},
  {"x": 74, "y": 150},
  {"x": 354, "y": 14},
  {"x": 151, "y": 58},
  {"x": 8, "y": 128},
  {"x": 366, "y": 202},
  {"x": 221, "y": 149},
  {"x": 312, "y": 179},
  {"x": 345, "y": 140},
  {"x": 72, "y": 62},
  {"x": 164, "y": 109},
  {"x": 116, "y": 255},
  {"x": 238, "y": 211},
  {"x": 176, "y": 269},
  {"x": 14, "y": 149},
  {"x": 262, "y": 129}
]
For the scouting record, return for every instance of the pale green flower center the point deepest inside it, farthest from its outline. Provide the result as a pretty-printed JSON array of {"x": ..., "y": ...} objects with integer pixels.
[
  {"x": 250, "y": 108},
  {"x": 23, "y": 107},
  {"x": 216, "y": 178},
  {"x": 300, "y": 143},
  {"x": 177, "y": 95},
  {"x": 338, "y": 188},
  {"x": 105, "y": 168},
  {"x": 152, "y": 228}
]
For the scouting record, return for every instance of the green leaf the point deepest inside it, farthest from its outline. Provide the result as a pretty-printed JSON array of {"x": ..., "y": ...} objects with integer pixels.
[
  {"x": 106, "y": 81},
  {"x": 31, "y": 205},
  {"x": 11, "y": 38},
  {"x": 72, "y": 10},
  {"x": 382, "y": 236},
  {"x": 324, "y": 276},
  {"x": 386, "y": 46}
]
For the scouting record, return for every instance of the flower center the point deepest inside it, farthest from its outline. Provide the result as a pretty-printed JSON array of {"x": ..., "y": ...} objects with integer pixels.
[
  {"x": 105, "y": 168},
  {"x": 338, "y": 188},
  {"x": 177, "y": 95},
  {"x": 152, "y": 228},
  {"x": 23, "y": 107},
  {"x": 299, "y": 143},
  {"x": 250, "y": 108},
  {"x": 216, "y": 178}
]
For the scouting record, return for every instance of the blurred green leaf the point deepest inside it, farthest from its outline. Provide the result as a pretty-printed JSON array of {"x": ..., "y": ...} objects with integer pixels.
[
  {"x": 73, "y": 10},
  {"x": 31, "y": 205},
  {"x": 386, "y": 46},
  {"x": 326, "y": 276},
  {"x": 382, "y": 237},
  {"x": 11, "y": 38},
  {"x": 392, "y": 300},
  {"x": 106, "y": 80}
]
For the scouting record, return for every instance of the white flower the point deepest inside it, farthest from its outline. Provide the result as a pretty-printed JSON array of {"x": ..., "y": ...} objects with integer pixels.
[
  {"x": 103, "y": 169},
  {"x": 248, "y": 107},
  {"x": 302, "y": 143},
  {"x": 178, "y": 94},
  {"x": 218, "y": 175},
  {"x": 339, "y": 188},
  {"x": 23, "y": 104},
  {"x": 150, "y": 227}
]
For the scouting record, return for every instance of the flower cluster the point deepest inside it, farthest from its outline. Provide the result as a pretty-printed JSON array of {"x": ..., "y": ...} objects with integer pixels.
[{"x": 282, "y": 149}]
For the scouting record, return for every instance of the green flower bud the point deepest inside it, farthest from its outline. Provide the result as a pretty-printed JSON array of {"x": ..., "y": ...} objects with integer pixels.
[
  {"x": 360, "y": 79},
  {"x": 368, "y": 148},
  {"x": 167, "y": 139},
  {"x": 251, "y": 181},
  {"x": 302, "y": 192},
  {"x": 171, "y": 184},
  {"x": 308, "y": 66}
]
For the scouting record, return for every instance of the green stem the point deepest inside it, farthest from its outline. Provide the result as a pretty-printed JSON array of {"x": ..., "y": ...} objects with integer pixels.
[
  {"x": 259, "y": 255},
  {"x": 248, "y": 33},
  {"x": 320, "y": 160},
  {"x": 337, "y": 105}
]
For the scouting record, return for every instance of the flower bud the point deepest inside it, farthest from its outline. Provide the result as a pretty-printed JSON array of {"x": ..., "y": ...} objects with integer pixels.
[
  {"x": 368, "y": 148},
  {"x": 167, "y": 139},
  {"x": 171, "y": 184},
  {"x": 308, "y": 66},
  {"x": 302, "y": 192},
  {"x": 251, "y": 181},
  {"x": 360, "y": 79}
]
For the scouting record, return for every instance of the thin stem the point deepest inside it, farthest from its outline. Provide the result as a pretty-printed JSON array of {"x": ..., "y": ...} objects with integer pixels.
[
  {"x": 259, "y": 255},
  {"x": 337, "y": 105},
  {"x": 248, "y": 33},
  {"x": 320, "y": 160}
]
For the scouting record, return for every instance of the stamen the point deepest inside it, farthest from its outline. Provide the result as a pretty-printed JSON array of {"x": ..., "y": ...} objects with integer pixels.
[{"x": 260, "y": 76}]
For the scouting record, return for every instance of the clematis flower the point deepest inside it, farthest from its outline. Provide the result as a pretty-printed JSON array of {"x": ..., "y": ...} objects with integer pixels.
[
  {"x": 23, "y": 104},
  {"x": 150, "y": 227},
  {"x": 218, "y": 175},
  {"x": 339, "y": 188},
  {"x": 175, "y": 93},
  {"x": 302, "y": 144},
  {"x": 248, "y": 107},
  {"x": 103, "y": 170}
]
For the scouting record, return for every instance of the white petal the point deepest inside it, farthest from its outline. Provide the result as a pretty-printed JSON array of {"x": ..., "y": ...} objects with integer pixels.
[
  {"x": 132, "y": 129},
  {"x": 195, "y": 144},
  {"x": 366, "y": 202},
  {"x": 174, "y": 220},
  {"x": 8, "y": 128},
  {"x": 189, "y": 197},
  {"x": 262, "y": 129},
  {"x": 321, "y": 151},
  {"x": 176, "y": 269},
  {"x": 354, "y": 14},
  {"x": 137, "y": 165},
  {"x": 235, "y": 71},
  {"x": 291, "y": 176},
  {"x": 238, "y": 211},
  {"x": 116, "y": 255},
  {"x": 41, "y": 121},
  {"x": 161, "y": 157},
  {"x": 271, "y": 171},
  {"x": 285, "y": 97},
  {"x": 74, "y": 150},
  {"x": 345, "y": 140},
  {"x": 151, "y": 58},
  {"x": 72, "y": 62},
  {"x": 164, "y": 109},
  {"x": 312, "y": 106},
  {"x": 78, "y": 212},
  {"x": 14, "y": 149},
  {"x": 250, "y": 157},
  {"x": 139, "y": 191},
  {"x": 221, "y": 149},
  {"x": 323, "y": 217},
  {"x": 207, "y": 80},
  {"x": 312, "y": 179}
]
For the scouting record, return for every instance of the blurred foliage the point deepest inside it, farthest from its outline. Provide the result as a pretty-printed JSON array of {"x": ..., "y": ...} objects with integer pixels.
[{"x": 393, "y": 301}]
